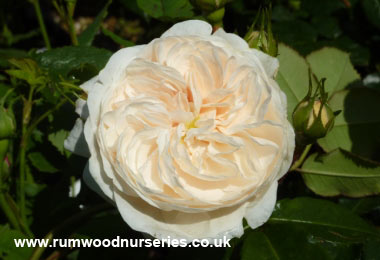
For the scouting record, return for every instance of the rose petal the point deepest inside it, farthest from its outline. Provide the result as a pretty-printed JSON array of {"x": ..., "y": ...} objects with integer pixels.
[
  {"x": 269, "y": 63},
  {"x": 76, "y": 142},
  {"x": 88, "y": 84},
  {"x": 259, "y": 211},
  {"x": 190, "y": 27},
  {"x": 233, "y": 39},
  {"x": 180, "y": 225},
  {"x": 117, "y": 64},
  {"x": 93, "y": 180},
  {"x": 287, "y": 157},
  {"x": 95, "y": 168},
  {"x": 81, "y": 108},
  {"x": 74, "y": 189}
]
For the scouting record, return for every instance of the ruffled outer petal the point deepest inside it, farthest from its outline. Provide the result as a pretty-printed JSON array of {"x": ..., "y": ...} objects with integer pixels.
[
  {"x": 117, "y": 64},
  {"x": 269, "y": 63},
  {"x": 191, "y": 27},
  {"x": 289, "y": 139},
  {"x": 180, "y": 225},
  {"x": 98, "y": 183},
  {"x": 288, "y": 151},
  {"x": 76, "y": 142},
  {"x": 225, "y": 222},
  {"x": 94, "y": 172},
  {"x": 96, "y": 89},
  {"x": 259, "y": 211},
  {"x": 233, "y": 39}
]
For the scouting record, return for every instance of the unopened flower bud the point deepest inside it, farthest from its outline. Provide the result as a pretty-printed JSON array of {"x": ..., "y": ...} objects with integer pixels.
[
  {"x": 327, "y": 115},
  {"x": 260, "y": 36},
  {"x": 7, "y": 123},
  {"x": 312, "y": 117}
]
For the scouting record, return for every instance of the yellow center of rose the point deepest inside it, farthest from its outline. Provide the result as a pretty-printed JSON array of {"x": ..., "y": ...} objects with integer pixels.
[{"x": 192, "y": 123}]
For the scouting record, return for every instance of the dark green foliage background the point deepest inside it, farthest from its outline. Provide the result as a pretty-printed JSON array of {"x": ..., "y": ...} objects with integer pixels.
[{"x": 329, "y": 208}]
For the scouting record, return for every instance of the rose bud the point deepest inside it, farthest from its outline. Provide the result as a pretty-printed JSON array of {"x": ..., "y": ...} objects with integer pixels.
[
  {"x": 261, "y": 36},
  {"x": 312, "y": 117},
  {"x": 7, "y": 123},
  {"x": 314, "y": 121}
]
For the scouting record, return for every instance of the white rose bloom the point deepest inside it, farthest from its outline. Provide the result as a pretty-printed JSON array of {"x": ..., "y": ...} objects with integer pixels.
[{"x": 187, "y": 135}]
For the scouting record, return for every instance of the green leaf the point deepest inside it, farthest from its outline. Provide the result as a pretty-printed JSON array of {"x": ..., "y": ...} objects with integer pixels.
[
  {"x": 300, "y": 39},
  {"x": 273, "y": 242},
  {"x": 167, "y": 9},
  {"x": 357, "y": 128},
  {"x": 61, "y": 61},
  {"x": 229, "y": 251},
  {"x": 335, "y": 65},
  {"x": 8, "y": 250},
  {"x": 57, "y": 140},
  {"x": 82, "y": 74},
  {"x": 131, "y": 5},
  {"x": 117, "y": 39},
  {"x": 292, "y": 76},
  {"x": 28, "y": 70},
  {"x": 341, "y": 173},
  {"x": 25, "y": 36},
  {"x": 340, "y": 251},
  {"x": 361, "y": 206},
  {"x": 323, "y": 220},
  {"x": 32, "y": 188},
  {"x": 327, "y": 26},
  {"x": 10, "y": 39},
  {"x": 257, "y": 245},
  {"x": 359, "y": 54},
  {"x": 41, "y": 163},
  {"x": 87, "y": 36},
  {"x": 371, "y": 250},
  {"x": 321, "y": 7},
  {"x": 4, "y": 88},
  {"x": 281, "y": 13},
  {"x": 372, "y": 11},
  {"x": 6, "y": 54}
]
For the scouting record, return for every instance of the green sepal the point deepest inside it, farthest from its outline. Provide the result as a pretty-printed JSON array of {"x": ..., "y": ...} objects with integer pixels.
[{"x": 260, "y": 36}]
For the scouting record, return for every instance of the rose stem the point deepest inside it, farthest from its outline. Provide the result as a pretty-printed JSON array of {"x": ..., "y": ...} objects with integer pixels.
[
  {"x": 70, "y": 21},
  {"x": 26, "y": 133},
  {"x": 302, "y": 158},
  {"x": 37, "y": 8},
  {"x": 27, "y": 110}
]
